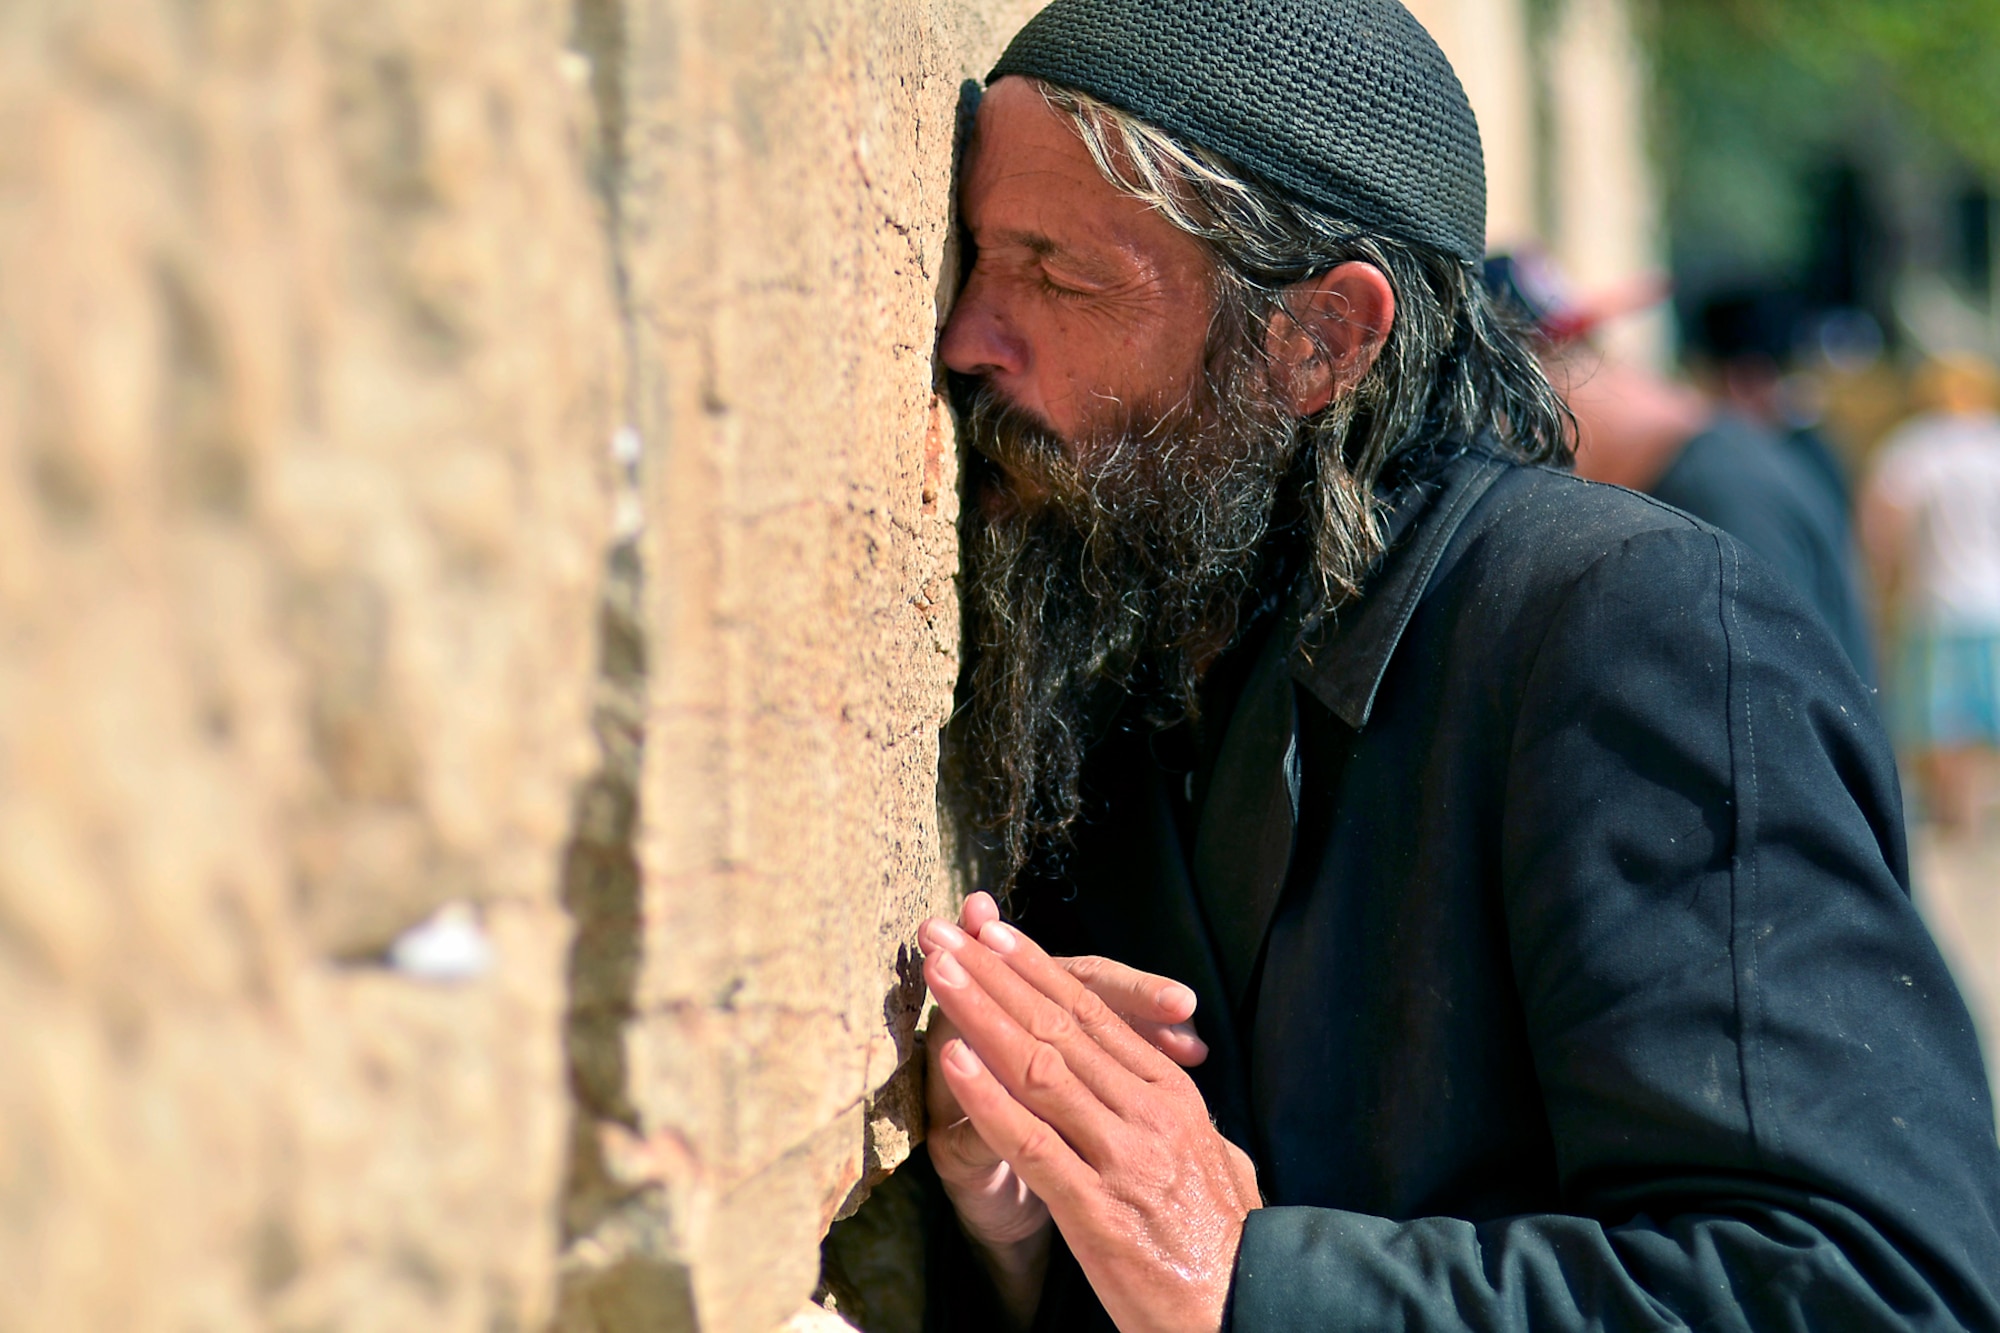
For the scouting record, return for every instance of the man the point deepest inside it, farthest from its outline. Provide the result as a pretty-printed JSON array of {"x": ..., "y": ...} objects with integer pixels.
[
  {"x": 1750, "y": 339},
  {"x": 1527, "y": 857},
  {"x": 1932, "y": 519}
]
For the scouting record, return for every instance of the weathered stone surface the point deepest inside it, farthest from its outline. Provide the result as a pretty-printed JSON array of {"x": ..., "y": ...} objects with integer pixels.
[
  {"x": 309, "y": 361},
  {"x": 315, "y": 334},
  {"x": 784, "y": 215}
]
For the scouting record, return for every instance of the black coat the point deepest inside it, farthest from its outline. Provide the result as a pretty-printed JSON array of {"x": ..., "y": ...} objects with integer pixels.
[
  {"x": 1550, "y": 919},
  {"x": 1784, "y": 499}
]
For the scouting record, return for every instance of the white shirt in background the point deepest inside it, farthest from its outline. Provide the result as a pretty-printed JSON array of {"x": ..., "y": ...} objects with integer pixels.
[{"x": 1944, "y": 471}]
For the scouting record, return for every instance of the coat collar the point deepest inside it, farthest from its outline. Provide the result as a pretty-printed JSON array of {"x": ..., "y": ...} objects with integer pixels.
[
  {"x": 1344, "y": 661},
  {"x": 1249, "y": 822}
]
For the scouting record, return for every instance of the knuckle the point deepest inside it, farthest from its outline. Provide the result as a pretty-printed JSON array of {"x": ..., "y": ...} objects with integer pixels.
[
  {"x": 951, "y": 1148},
  {"x": 969, "y": 1149},
  {"x": 1046, "y": 1070},
  {"x": 1039, "y": 1144},
  {"x": 1087, "y": 968},
  {"x": 1171, "y": 1110},
  {"x": 1092, "y": 1014},
  {"x": 1051, "y": 1023}
]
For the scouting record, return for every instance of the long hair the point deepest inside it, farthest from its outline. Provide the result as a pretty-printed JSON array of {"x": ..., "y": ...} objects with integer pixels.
[{"x": 1455, "y": 367}]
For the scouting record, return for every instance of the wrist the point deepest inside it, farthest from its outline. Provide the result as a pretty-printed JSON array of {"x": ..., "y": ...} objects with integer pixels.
[
  {"x": 995, "y": 1209},
  {"x": 1018, "y": 1269},
  {"x": 1010, "y": 1232}
]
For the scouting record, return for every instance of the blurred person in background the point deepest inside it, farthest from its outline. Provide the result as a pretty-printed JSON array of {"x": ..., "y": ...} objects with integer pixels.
[
  {"x": 1748, "y": 340},
  {"x": 1931, "y": 522},
  {"x": 1720, "y": 458}
]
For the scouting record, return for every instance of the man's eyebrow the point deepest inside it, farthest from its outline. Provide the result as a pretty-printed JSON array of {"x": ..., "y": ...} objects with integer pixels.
[
  {"x": 1043, "y": 246},
  {"x": 1037, "y": 243}
]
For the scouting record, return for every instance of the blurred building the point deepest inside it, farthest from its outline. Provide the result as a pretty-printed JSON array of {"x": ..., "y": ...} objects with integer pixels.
[
  {"x": 1561, "y": 92},
  {"x": 1811, "y": 187}
]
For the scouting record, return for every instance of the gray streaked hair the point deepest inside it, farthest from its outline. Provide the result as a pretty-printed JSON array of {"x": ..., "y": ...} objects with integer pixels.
[{"x": 1454, "y": 369}]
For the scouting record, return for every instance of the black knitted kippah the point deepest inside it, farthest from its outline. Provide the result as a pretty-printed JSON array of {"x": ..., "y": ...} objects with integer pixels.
[{"x": 1347, "y": 104}]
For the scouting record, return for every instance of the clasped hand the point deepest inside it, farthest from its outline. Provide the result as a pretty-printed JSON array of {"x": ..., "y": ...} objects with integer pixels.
[{"x": 1053, "y": 1098}]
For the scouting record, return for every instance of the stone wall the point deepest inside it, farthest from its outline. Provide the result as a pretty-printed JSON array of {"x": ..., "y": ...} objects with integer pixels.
[
  {"x": 475, "y": 615},
  {"x": 308, "y": 370},
  {"x": 782, "y": 206}
]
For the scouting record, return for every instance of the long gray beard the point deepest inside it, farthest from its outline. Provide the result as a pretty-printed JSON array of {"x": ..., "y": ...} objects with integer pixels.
[{"x": 1126, "y": 582}]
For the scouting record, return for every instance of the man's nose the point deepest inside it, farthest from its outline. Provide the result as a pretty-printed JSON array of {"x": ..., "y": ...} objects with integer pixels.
[{"x": 978, "y": 339}]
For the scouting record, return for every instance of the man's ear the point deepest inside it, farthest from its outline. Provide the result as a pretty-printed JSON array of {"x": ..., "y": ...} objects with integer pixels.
[{"x": 1326, "y": 333}]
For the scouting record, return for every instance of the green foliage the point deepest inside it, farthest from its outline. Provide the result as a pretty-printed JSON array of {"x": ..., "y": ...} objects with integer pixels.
[
  {"x": 1758, "y": 97},
  {"x": 1742, "y": 127},
  {"x": 1939, "y": 58}
]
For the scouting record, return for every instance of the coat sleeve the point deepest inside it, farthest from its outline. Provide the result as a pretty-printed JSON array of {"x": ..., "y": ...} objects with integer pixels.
[{"x": 1767, "y": 1102}]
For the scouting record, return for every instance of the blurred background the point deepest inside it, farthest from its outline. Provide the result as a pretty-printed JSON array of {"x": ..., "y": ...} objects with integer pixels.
[
  {"x": 1830, "y": 174},
  {"x": 1761, "y": 240}
]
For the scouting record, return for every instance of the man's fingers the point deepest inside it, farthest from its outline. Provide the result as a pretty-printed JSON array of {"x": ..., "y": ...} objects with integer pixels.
[
  {"x": 1176, "y": 1041},
  {"x": 1060, "y": 988},
  {"x": 941, "y": 1105},
  {"x": 1139, "y": 996},
  {"x": 1037, "y": 1050},
  {"x": 979, "y": 912},
  {"x": 959, "y": 1154},
  {"x": 1158, "y": 1008},
  {"x": 956, "y": 1147},
  {"x": 1029, "y": 1144}
]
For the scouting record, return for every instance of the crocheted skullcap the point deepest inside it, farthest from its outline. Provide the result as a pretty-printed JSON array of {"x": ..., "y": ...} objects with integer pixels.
[{"x": 1347, "y": 104}]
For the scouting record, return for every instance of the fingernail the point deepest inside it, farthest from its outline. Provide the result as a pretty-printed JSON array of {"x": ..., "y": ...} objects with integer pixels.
[
  {"x": 1176, "y": 997},
  {"x": 943, "y": 935},
  {"x": 999, "y": 938},
  {"x": 961, "y": 1058},
  {"x": 949, "y": 971}
]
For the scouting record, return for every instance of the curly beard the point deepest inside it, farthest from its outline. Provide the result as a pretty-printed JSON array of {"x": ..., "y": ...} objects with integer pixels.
[{"x": 1110, "y": 570}]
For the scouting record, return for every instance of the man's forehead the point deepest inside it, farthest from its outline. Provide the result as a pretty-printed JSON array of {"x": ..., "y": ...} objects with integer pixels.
[
  {"x": 1019, "y": 140},
  {"x": 1031, "y": 182}
]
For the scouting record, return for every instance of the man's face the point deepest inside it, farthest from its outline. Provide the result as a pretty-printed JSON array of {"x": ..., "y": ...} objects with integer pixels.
[
  {"x": 1127, "y": 461},
  {"x": 1085, "y": 308}
]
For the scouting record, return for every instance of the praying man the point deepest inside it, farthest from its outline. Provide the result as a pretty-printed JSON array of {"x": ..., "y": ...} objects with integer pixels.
[{"x": 1442, "y": 894}]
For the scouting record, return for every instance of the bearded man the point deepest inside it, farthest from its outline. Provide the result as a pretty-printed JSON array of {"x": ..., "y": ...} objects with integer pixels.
[{"x": 1525, "y": 853}]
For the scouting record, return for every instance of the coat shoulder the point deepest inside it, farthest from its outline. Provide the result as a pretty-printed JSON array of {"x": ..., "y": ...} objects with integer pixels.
[
  {"x": 1544, "y": 548},
  {"x": 1538, "y": 528}
]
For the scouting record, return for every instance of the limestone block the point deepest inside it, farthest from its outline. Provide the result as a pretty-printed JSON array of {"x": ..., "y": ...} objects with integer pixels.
[
  {"x": 309, "y": 362},
  {"x": 784, "y": 197},
  {"x": 476, "y": 611}
]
